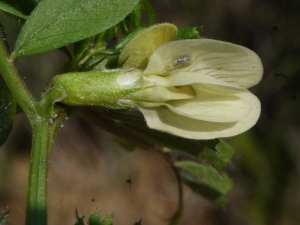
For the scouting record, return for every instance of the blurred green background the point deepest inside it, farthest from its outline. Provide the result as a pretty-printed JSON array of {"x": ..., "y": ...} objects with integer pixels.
[{"x": 90, "y": 170}]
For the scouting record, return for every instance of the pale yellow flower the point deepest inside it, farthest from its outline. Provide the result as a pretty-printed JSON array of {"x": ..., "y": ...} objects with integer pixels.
[{"x": 198, "y": 89}]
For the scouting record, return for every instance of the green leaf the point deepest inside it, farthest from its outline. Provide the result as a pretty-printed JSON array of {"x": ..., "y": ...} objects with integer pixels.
[
  {"x": 225, "y": 153},
  {"x": 11, "y": 10},
  {"x": 7, "y": 111},
  {"x": 55, "y": 23},
  {"x": 187, "y": 33},
  {"x": 94, "y": 219},
  {"x": 205, "y": 180},
  {"x": 217, "y": 158}
]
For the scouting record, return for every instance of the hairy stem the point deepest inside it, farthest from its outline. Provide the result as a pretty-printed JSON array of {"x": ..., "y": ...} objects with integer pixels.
[
  {"x": 16, "y": 84},
  {"x": 43, "y": 129},
  {"x": 36, "y": 211}
]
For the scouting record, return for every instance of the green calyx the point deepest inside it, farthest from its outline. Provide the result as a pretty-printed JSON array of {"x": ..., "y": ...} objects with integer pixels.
[{"x": 93, "y": 88}]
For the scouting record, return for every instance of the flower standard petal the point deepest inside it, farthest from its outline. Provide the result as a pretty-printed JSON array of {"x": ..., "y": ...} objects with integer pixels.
[{"x": 231, "y": 63}]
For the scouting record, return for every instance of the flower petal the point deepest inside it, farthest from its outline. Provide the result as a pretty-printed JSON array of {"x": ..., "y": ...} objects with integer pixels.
[
  {"x": 188, "y": 78},
  {"x": 231, "y": 63},
  {"x": 212, "y": 108},
  {"x": 209, "y": 106},
  {"x": 164, "y": 119},
  {"x": 162, "y": 94}
]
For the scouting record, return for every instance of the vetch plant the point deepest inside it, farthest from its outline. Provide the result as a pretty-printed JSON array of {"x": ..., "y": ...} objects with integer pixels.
[{"x": 186, "y": 88}]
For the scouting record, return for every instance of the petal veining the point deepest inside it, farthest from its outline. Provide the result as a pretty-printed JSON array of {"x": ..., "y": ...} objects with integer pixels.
[{"x": 228, "y": 62}]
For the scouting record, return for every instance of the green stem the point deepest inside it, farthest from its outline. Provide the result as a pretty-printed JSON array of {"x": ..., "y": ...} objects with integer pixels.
[
  {"x": 43, "y": 129},
  {"x": 37, "y": 192},
  {"x": 16, "y": 84}
]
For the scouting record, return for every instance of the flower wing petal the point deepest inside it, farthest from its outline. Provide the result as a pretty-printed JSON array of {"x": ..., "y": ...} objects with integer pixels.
[
  {"x": 188, "y": 78},
  {"x": 210, "y": 106},
  {"x": 215, "y": 100},
  {"x": 162, "y": 94},
  {"x": 164, "y": 119},
  {"x": 231, "y": 63}
]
